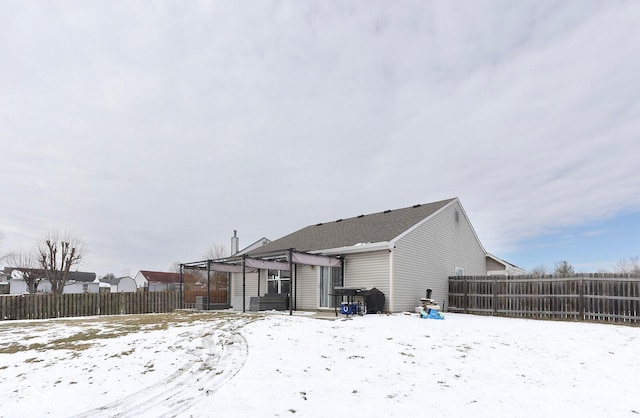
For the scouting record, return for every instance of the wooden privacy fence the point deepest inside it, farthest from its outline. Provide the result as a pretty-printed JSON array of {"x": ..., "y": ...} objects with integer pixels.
[
  {"x": 217, "y": 297},
  {"x": 591, "y": 297},
  {"x": 87, "y": 304}
]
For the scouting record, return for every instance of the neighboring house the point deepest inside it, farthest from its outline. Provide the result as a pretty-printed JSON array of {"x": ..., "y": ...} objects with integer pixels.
[
  {"x": 235, "y": 242},
  {"x": 498, "y": 267},
  {"x": 77, "y": 282},
  {"x": 4, "y": 283},
  {"x": 401, "y": 252},
  {"x": 157, "y": 281},
  {"x": 17, "y": 286},
  {"x": 121, "y": 284},
  {"x": 71, "y": 287}
]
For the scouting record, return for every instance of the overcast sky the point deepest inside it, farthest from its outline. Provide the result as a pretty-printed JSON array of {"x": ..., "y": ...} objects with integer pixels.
[{"x": 154, "y": 129}]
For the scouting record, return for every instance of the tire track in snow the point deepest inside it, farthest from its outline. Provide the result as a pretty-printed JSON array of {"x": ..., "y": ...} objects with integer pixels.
[{"x": 222, "y": 357}]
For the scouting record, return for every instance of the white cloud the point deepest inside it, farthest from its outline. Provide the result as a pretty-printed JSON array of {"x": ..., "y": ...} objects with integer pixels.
[{"x": 157, "y": 129}]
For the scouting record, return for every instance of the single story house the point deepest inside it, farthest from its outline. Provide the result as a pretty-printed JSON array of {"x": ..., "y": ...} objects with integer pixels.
[
  {"x": 157, "y": 281},
  {"x": 498, "y": 267},
  {"x": 401, "y": 252},
  {"x": 77, "y": 281},
  {"x": 71, "y": 287},
  {"x": 17, "y": 286},
  {"x": 121, "y": 284}
]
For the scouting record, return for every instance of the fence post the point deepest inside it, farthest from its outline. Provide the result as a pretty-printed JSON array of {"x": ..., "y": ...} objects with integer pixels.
[
  {"x": 495, "y": 296},
  {"x": 466, "y": 292},
  {"x": 581, "y": 298}
]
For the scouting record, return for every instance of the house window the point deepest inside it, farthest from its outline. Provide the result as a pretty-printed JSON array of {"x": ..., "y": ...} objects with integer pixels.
[
  {"x": 459, "y": 271},
  {"x": 278, "y": 282},
  {"x": 85, "y": 288}
]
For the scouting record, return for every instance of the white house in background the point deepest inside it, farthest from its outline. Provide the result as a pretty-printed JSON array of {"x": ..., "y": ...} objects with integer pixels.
[
  {"x": 498, "y": 267},
  {"x": 77, "y": 282},
  {"x": 401, "y": 252},
  {"x": 235, "y": 243},
  {"x": 120, "y": 284},
  {"x": 17, "y": 286},
  {"x": 74, "y": 287},
  {"x": 158, "y": 281}
]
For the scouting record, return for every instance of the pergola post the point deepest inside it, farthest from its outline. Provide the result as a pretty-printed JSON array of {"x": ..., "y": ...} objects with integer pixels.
[
  {"x": 244, "y": 283},
  {"x": 208, "y": 284},
  {"x": 181, "y": 284},
  {"x": 291, "y": 276}
]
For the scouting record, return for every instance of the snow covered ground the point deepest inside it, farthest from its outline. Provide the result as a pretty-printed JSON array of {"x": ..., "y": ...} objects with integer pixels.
[{"x": 274, "y": 365}]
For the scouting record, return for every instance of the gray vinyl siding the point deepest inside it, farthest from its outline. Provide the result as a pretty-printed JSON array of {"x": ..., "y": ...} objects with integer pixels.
[
  {"x": 251, "y": 283},
  {"x": 428, "y": 255},
  {"x": 369, "y": 270},
  {"x": 366, "y": 270},
  {"x": 251, "y": 289},
  {"x": 494, "y": 265},
  {"x": 307, "y": 288}
]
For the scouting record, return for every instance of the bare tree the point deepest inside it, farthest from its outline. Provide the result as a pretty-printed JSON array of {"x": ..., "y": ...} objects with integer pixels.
[
  {"x": 2, "y": 256},
  {"x": 58, "y": 252},
  {"x": 26, "y": 262},
  {"x": 539, "y": 270},
  {"x": 215, "y": 252},
  {"x": 629, "y": 265},
  {"x": 108, "y": 276},
  {"x": 563, "y": 268},
  {"x": 174, "y": 267},
  {"x": 218, "y": 278}
]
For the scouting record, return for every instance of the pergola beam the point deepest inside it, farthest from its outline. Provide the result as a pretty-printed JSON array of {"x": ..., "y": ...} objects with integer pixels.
[{"x": 275, "y": 260}]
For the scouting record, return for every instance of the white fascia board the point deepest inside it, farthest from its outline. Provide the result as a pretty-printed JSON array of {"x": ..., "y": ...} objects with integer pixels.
[
  {"x": 493, "y": 257},
  {"x": 358, "y": 248},
  {"x": 507, "y": 265}
]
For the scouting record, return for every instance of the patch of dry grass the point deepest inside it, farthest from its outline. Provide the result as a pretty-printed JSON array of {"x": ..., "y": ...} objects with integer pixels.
[{"x": 106, "y": 327}]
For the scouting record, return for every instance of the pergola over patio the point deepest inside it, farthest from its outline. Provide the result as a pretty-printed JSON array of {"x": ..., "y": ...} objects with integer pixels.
[{"x": 286, "y": 260}]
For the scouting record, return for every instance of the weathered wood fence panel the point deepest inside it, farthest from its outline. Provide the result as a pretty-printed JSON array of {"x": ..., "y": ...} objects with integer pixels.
[
  {"x": 87, "y": 304},
  {"x": 215, "y": 296},
  {"x": 592, "y": 297}
]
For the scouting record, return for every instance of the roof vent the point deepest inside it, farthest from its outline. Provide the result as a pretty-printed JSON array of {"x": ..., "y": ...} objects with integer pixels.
[
  {"x": 387, "y": 211},
  {"x": 417, "y": 206},
  {"x": 319, "y": 224},
  {"x": 360, "y": 216},
  {"x": 339, "y": 220}
]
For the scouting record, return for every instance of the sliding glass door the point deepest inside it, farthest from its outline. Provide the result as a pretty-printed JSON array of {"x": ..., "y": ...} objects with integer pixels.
[{"x": 330, "y": 277}]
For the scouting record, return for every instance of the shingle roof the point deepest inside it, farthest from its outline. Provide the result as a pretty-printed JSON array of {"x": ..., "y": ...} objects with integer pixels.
[
  {"x": 78, "y": 276},
  {"x": 114, "y": 280},
  {"x": 375, "y": 227}
]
